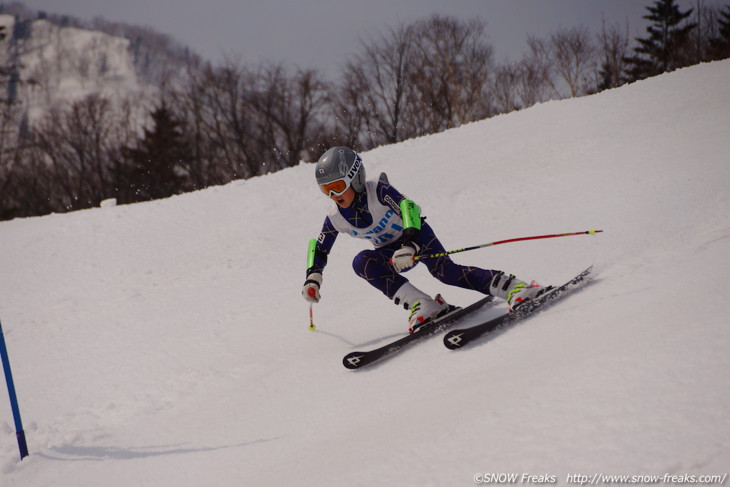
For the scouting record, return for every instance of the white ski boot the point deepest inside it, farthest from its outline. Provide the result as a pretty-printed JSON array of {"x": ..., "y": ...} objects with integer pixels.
[
  {"x": 423, "y": 307},
  {"x": 515, "y": 291}
]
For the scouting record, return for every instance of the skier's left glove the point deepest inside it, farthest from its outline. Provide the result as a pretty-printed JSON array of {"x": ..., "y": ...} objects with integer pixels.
[{"x": 403, "y": 257}]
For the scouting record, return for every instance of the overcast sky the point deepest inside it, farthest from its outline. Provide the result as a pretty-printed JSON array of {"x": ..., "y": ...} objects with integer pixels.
[{"x": 323, "y": 33}]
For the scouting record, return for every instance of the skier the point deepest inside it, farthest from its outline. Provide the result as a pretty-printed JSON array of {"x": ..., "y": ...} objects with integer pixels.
[{"x": 379, "y": 213}]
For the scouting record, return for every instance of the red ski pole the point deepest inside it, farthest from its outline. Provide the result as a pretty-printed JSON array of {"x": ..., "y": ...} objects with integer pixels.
[
  {"x": 312, "y": 326},
  {"x": 499, "y": 242}
]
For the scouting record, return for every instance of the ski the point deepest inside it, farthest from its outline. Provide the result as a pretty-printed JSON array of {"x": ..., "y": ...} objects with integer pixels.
[
  {"x": 458, "y": 338},
  {"x": 358, "y": 360}
]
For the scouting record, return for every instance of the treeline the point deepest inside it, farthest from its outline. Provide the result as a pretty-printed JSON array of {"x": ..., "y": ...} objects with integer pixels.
[{"x": 228, "y": 121}]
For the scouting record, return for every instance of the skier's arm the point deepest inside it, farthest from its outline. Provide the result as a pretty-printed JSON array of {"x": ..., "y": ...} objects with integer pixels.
[
  {"x": 317, "y": 254},
  {"x": 410, "y": 213},
  {"x": 403, "y": 258}
]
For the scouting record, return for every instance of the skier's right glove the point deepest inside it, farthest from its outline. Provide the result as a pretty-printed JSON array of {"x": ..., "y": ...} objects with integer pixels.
[{"x": 310, "y": 291}]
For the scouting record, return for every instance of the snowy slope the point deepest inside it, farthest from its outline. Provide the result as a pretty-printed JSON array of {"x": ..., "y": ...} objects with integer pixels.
[{"x": 166, "y": 344}]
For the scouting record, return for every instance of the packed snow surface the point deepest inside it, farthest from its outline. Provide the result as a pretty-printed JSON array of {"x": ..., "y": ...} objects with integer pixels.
[{"x": 166, "y": 344}]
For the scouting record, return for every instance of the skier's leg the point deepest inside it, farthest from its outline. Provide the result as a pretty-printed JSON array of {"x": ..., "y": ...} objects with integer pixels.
[
  {"x": 374, "y": 266},
  {"x": 447, "y": 271},
  {"x": 492, "y": 282}
]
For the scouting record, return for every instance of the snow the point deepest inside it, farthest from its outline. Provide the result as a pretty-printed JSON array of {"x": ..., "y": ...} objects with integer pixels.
[
  {"x": 66, "y": 64},
  {"x": 166, "y": 344}
]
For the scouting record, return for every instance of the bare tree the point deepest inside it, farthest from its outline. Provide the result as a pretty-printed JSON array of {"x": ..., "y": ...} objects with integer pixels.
[
  {"x": 11, "y": 132},
  {"x": 213, "y": 106},
  {"x": 505, "y": 87},
  {"x": 561, "y": 65},
  {"x": 573, "y": 54},
  {"x": 381, "y": 77},
  {"x": 565, "y": 59},
  {"x": 452, "y": 66},
  {"x": 539, "y": 81},
  {"x": 349, "y": 115},
  {"x": 535, "y": 82},
  {"x": 285, "y": 108},
  {"x": 247, "y": 122},
  {"x": 73, "y": 149},
  {"x": 613, "y": 49}
]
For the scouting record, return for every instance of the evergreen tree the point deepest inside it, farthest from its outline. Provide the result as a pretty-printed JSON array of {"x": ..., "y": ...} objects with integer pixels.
[
  {"x": 661, "y": 51},
  {"x": 4, "y": 70},
  {"x": 608, "y": 77},
  {"x": 159, "y": 166},
  {"x": 720, "y": 46}
]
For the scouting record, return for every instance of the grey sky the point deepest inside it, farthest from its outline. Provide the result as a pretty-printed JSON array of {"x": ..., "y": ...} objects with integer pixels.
[{"x": 322, "y": 33}]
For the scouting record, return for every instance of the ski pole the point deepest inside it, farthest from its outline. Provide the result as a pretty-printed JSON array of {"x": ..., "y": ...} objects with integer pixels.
[
  {"x": 19, "y": 433},
  {"x": 491, "y": 244},
  {"x": 311, "y": 318}
]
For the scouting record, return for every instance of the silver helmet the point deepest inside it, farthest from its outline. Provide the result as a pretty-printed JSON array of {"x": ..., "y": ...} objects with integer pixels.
[{"x": 338, "y": 169}]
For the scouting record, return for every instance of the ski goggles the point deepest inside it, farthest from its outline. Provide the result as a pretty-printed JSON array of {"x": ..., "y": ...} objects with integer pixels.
[{"x": 335, "y": 188}]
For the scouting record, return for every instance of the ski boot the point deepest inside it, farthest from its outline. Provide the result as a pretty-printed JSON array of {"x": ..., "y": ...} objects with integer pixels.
[
  {"x": 515, "y": 291},
  {"x": 423, "y": 307}
]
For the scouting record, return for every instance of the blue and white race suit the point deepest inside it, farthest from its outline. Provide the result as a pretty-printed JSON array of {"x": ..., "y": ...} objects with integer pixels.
[{"x": 375, "y": 216}]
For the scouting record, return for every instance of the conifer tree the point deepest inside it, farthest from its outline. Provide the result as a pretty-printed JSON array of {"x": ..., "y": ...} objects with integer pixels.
[
  {"x": 720, "y": 46},
  {"x": 159, "y": 166},
  {"x": 661, "y": 50},
  {"x": 4, "y": 70}
]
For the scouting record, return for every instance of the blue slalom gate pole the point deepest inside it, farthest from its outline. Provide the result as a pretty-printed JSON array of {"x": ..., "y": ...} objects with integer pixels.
[{"x": 22, "y": 445}]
